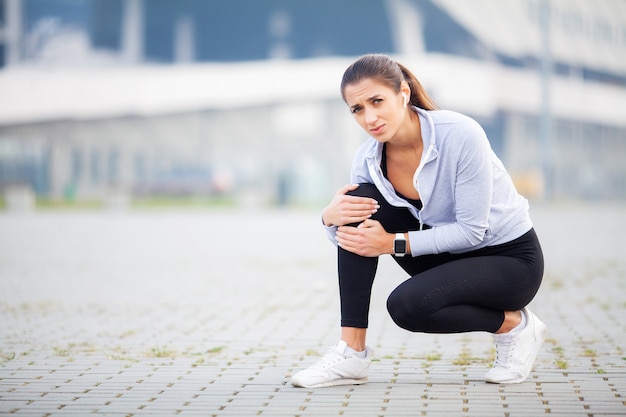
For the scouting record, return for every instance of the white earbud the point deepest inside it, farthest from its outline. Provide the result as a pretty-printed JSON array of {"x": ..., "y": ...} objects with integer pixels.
[{"x": 406, "y": 99}]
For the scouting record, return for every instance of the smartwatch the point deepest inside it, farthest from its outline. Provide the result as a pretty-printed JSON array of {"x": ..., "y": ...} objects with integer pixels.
[{"x": 399, "y": 245}]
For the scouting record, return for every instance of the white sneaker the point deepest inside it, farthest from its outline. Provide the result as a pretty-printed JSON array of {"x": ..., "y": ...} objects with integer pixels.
[
  {"x": 516, "y": 353},
  {"x": 335, "y": 368}
]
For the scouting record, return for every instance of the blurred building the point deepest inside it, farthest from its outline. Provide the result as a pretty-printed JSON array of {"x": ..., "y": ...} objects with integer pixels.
[{"x": 196, "y": 97}]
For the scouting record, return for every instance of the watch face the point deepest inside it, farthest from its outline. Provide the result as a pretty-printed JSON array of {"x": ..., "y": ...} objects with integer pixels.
[{"x": 399, "y": 246}]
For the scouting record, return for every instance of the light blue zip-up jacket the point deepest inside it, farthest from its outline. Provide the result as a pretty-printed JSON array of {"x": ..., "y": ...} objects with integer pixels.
[{"x": 468, "y": 197}]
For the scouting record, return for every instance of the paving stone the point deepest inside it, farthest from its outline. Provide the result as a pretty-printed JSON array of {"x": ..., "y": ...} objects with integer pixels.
[{"x": 150, "y": 314}]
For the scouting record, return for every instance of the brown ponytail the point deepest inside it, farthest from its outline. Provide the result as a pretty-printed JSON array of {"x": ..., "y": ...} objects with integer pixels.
[
  {"x": 390, "y": 73},
  {"x": 419, "y": 96}
]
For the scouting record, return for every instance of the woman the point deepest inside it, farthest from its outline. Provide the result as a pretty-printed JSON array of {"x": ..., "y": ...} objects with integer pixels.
[{"x": 428, "y": 189}]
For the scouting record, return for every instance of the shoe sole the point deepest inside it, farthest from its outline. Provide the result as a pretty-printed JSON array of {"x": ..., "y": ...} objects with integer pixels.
[
  {"x": 332, "y": 383},
  {"x": 541, "y": 337}
]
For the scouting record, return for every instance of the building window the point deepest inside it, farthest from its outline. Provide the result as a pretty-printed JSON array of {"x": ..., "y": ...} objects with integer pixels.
[
  {"x": 95, "y": 167},
  {"x": 113, "y": 165},
  {"x": 77, "y": 165},
  {"x": 602, "y": 31}
]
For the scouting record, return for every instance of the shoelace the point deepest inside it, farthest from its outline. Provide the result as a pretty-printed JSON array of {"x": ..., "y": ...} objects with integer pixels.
[
  {"x": 329, "y": 359},
  {"x": 503, "y": 352}
]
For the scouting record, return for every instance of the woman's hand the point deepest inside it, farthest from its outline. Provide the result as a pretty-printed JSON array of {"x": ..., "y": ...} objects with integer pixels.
[
  {"x": 346, "y": 209},
  {"x": 368, "y": 239}
]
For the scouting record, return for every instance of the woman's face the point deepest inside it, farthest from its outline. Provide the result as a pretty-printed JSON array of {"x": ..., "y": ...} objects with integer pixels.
[{"x": 378, "y": 109}]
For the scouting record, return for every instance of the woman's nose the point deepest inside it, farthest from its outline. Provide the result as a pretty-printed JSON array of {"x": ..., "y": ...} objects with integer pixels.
[{"x": 370, "y": 116}]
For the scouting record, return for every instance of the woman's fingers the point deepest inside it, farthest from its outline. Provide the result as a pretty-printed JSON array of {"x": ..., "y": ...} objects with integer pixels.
[
  {"x": 369, "y": 239},
  {"x": 341, "y": 196},
  {"x": 346, "y": 188},
  {"x": 348, "y": 209}
]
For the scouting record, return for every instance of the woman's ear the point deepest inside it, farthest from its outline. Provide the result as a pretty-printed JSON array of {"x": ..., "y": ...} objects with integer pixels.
[{"x": 406, "y": 92}]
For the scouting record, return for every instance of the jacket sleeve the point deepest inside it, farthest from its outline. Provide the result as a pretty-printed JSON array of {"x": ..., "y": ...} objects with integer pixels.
[
  {"x": 471, "y": 191},
  {"x": 331, "y": 232}
]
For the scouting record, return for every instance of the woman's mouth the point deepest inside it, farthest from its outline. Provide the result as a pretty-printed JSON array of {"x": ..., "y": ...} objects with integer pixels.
[{"x": 377, "y": 130}]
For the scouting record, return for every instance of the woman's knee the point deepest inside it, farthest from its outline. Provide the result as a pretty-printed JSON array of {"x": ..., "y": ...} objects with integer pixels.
[
  {"x": 407, "y": 314},
  {"x": 394, "y": 219},
  {"x": 366, "y": 190}
]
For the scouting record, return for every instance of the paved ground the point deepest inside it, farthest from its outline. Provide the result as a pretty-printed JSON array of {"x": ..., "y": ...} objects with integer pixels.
[{"x": 210, "y": 313}]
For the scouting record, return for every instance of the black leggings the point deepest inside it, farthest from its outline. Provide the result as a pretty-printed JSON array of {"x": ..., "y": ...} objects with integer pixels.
[{"x": 446, "y": 293}]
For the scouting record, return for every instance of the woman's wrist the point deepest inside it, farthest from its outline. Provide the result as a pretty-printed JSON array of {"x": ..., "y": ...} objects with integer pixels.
[
  {"x": 392, "y": 236},
  {"x": 324, "y": 221}
]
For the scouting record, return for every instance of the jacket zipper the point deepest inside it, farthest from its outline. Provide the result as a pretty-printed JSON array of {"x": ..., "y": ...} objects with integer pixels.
[{"x": 416, "y": 182}]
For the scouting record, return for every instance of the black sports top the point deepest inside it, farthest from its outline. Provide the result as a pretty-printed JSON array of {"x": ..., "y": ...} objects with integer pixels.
[{"x": 383, "y": 166}]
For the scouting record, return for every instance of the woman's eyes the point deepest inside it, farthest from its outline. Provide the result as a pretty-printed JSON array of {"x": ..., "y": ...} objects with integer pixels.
[{"x": 374, "y": 101}]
